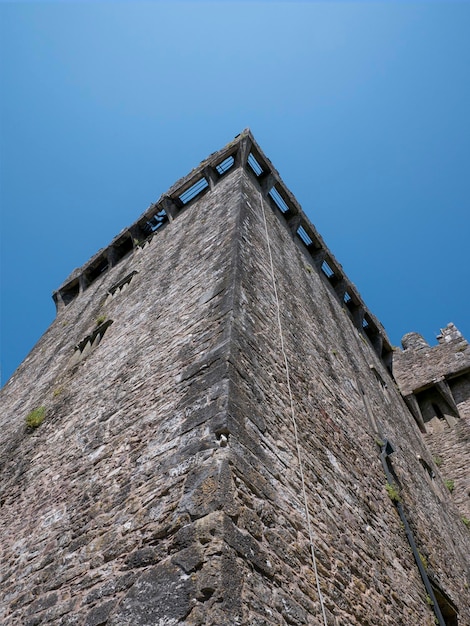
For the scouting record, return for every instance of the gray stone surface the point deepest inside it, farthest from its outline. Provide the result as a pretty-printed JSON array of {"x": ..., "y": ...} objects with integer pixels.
[
  {"x": 435, "y": 382},
  {"x": 164, "y": 485}
]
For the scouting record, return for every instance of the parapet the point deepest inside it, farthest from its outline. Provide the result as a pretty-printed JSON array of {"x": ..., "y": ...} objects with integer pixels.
[
  {"x": 450, "y": 334},
  {"x": 242, "y": 152},
  {"x": 420, "y": 365}
]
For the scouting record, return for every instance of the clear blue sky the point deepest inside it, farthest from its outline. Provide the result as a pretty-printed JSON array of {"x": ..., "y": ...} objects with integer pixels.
[{"x": 364, "y": 108}]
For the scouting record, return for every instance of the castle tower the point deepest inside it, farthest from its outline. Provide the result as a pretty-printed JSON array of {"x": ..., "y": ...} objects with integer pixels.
[
  {"x": 435, "y": 383},
  {"x": 215, "y": 437}
]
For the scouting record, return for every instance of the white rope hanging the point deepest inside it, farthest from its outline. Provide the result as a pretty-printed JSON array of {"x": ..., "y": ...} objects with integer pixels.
[{"x": 294, "y": 422}]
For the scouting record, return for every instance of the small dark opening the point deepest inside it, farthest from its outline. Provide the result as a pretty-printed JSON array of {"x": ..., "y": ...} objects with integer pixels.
[
  {"x": 97, "y": 334},
  {"x": 335, "y": 279},
  {"x": 123, "y": 248},
  {"x": 95, "y": 272},
  {"x": 350, "y": 304},
  {"x": 125, "y": 281},
  {"x": 70, "y": 292},
  {"x": 447, "y": 608},
  {"x": 369, "y": 327},
  {"x": 387, "y": 357},
  {"x": 437, "y": 411}
]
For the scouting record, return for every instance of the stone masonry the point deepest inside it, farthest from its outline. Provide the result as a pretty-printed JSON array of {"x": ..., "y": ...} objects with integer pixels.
[
  {"x": 435, "y": 382},
  {"x": 212, "y": 386}
]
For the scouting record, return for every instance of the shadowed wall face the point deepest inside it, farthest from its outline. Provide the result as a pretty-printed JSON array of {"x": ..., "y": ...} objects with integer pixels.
[{"x": 164, "y": 485}]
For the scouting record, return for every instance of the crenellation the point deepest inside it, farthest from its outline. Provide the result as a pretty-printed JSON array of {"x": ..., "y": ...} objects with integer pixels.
[{"x": 450, "y": 333}]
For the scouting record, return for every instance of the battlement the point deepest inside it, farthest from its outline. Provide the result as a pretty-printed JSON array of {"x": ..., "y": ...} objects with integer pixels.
[
  {"x": 242, "y": 152},
  {"x": 420, "y": 365}
]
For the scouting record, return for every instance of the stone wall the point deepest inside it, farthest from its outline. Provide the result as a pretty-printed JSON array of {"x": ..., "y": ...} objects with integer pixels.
[
  {"x": 436, "y": 384},
  {"x": 345, "y": 402},
  {"x": 164, "y": 486},
  {"x": 96, "y": 502}
]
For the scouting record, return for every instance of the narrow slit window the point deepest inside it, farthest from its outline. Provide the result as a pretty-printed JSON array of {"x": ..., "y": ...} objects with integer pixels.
[
  {"x": 304, "y": 236},
  {"x": 194, "y": 191},
  {"x": 326, "y": 269},
  {"x": 121, "y": 286},
  {"x": 278, "y": 200},
  {"x": 224, "y": 166},
  {"x": 254, "y": 165},
  {"x": 90, "y": 342}
]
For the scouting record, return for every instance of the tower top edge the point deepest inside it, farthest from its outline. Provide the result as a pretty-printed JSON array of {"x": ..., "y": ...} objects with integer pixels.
[{"x": 243, "y": 151}]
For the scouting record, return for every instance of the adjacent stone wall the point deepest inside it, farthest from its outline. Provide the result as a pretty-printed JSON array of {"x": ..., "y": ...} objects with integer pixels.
[
  {"x": 436, "y": 382},
  {"x": 164, "y": 486},
  {"x": 419, "y": 364}
]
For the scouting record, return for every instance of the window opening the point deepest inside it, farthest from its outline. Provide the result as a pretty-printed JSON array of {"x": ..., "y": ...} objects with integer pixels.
[
  {"x": 349, "y": 302},
  {"x": 278, "y": 200},
  {"x": 304, "y": 236},
  {"x": 224, "y": 166},
  {"x": 120, "y": 286},
  {"x": 194, "y": 191},
  {"x": 86, "y": 345},
  {"x": 156, "y": 222},
  {"x": 326, "y": 269},
  {"x": 254, "y": 165},
  {"x": 369, "y": 328}
]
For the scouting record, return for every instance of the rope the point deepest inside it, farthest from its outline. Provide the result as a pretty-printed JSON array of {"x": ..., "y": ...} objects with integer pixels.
[{"x": 294, "y": 422}]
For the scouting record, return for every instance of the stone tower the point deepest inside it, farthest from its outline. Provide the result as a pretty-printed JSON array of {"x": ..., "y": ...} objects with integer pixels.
[
  {"x": 435, "y": 383},
  {"x": 209, "y": 434}
]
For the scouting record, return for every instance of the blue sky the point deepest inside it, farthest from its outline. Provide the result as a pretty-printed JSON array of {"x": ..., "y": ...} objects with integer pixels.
[{"x": 362, "y": 107}]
